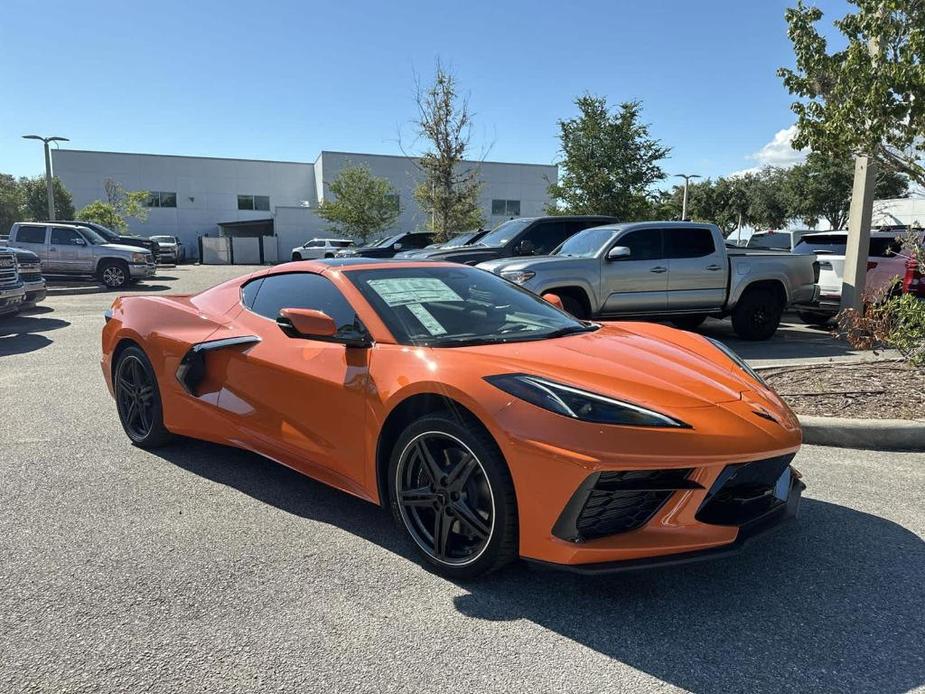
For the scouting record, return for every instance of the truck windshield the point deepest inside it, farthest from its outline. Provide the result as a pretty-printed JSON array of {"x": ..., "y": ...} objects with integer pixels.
[
  {"x": 502, "y": 234},
  {"x": 585, "y": 244}
]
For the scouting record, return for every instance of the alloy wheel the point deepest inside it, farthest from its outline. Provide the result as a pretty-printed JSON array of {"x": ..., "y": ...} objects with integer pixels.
[
  {"x": 135, "y": 396},
  {"x": 444, "y": 498},
  {"x": 113, "y": 276}
]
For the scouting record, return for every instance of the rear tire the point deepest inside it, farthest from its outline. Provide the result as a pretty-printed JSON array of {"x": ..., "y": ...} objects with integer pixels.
[
  {"x": 451, "y": 492},
  {"x": 757, "y": 314},
  {"x": 688, "y": 322},
  {"x": 114, "y": 273},
  {"x": 296, "y": 257},
  {"x": 138, "y": 400}
]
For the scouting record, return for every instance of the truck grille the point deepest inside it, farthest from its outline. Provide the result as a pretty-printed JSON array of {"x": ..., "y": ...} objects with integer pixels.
[
  {"x": 30, "y": 272},
  {"x": 8, "y": 274}
]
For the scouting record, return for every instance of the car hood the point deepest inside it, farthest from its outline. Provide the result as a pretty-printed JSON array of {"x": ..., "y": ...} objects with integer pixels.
[
  {"x": 650, "y": 365},
  {"x": 535, "y": 263},
  {"x": 122, "y": 247},
  {"x": 467, "y": 254}
]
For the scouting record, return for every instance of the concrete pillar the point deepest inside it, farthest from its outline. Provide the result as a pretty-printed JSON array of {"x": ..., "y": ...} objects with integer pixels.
[{"x": 859, "y": 217}]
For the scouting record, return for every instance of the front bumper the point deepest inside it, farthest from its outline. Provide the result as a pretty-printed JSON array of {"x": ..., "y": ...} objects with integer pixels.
[
  {"x": 35, "y": 292},
  {"x": 757, "y": 527},
  {"x": 141, "y": 270},
  {"x": 11, "y": 298}
]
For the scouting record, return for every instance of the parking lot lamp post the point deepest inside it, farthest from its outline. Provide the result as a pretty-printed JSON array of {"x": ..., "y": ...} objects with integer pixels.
[
  {"x": 49, "y": 187},
  {"x": 687, "y": 178}
]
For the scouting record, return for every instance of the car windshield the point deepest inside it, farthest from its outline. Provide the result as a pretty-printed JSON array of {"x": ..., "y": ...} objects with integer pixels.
[
  {"x": 585, "y": 244},
  {"x": 831, "y": 244},
  {"x": 459, "y": 306},
  {"x": 92, "y": 236},
  {"x": 773, "y": 241},
  {"x": 457, "y": 241},
  {"x": 502, "y": 234},
  {"x": 387, "y": 241}
]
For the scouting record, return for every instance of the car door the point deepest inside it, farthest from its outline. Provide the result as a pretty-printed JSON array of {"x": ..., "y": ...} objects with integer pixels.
[
  {"x": 697, "y": 273},
  {"x": 70, "y": 251},
  {"x": 637, "y": 283},
  {"x": 33, "y": 237},
  {"x": 542, "y": 238},
  {"x": 300, "y": 399}
]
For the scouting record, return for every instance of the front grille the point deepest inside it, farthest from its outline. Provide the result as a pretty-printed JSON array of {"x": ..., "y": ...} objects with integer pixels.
[
  {"x": 609, "y": 503},
  {"x": 8, "y": 274},
  {"x": 30, "y": 276},
  {"x": 744, "y": 492}
]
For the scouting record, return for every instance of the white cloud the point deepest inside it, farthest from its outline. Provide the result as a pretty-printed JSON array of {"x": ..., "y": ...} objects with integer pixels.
[{"x": 778, "y": 152}]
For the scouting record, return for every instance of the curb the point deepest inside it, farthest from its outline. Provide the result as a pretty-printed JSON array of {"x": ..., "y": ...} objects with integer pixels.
[
  {"x": 864, "y": 434},
  {"x": 82, "y": 289}
]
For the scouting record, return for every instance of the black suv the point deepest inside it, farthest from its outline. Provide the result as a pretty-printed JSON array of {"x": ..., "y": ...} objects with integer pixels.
[
  {"x": 115, "y": 237},
  {"x": 524, "y": 236},
  {"x": 390, "y": 245}
]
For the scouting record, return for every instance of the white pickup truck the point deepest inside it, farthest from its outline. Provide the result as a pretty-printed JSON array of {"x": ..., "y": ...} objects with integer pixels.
[{"x": 677, "y": 271}]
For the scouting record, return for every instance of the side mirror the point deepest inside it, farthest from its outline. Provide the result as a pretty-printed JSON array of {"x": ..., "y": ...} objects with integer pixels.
[
  {"x": 397, "y": 246},
  {"x": 79, "y": 241},
  {"x": 306, "y": 323},
  {"x": 554, "y": 300},
  {"x": 618, "y": 252}
]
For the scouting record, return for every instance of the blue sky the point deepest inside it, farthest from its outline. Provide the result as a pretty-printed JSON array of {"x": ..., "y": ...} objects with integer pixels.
[{"x": 283, "y": 80}]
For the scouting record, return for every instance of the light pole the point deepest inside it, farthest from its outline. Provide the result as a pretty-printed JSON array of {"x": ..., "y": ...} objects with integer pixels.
[
  {"x": 49, "y": 188},
  {"x": 687, "y": 178}
]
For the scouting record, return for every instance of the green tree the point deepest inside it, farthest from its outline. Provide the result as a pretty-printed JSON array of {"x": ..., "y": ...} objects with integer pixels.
[
  {"x": 609, "y": 161},
  {"x": 119, "y": 206},
  {"x": 363, "y": 204},
  {"x": 723, "y": 201},
  {"x": 10, "y": 202},
  {"x": 821, "y": 187},
  {"x": 768, "y": 205},
  {"x": 867, "y": 98},
  {"x": 450, "y": 190},
  {"x": 35, "y": 199}
]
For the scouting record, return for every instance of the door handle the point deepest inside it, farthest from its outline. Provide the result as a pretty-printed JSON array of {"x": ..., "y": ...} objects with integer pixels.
[
  {"x": 659, "y": 269},
  {"x": 714, "y": 267}
]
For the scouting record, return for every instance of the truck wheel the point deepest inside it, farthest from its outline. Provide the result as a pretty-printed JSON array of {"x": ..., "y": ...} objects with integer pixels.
[
  {"x": 757, "y": 314},
  {"x": 114, "y": 273},
  {"x": 814, "y": 318},
  {"x": 296, "y": 256},
  {"x": 688, "y": 322}
]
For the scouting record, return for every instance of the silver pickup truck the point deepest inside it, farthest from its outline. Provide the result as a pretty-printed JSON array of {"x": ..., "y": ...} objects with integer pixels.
[{"x": 677, "y": 271}]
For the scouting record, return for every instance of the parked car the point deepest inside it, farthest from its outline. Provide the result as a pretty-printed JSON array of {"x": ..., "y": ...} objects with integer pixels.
[
  {"x": 12, "y": 291},
  {"x": 115, "y": 237},
  {"x": 884, "y": 265},
  {"x": 29, "y": 267},
  {"x": 776, "y": 240},
  {"x": 171, "y": 250},
  {"x": 320, "y": 248},
  {"x": 389, "y": 246},
  {"x": 679, "y": 271},
  {"x": 71, "y": 249},
  {"x": 518, "y": 237},
  {"x": 491, "y": 424},
  {"x": 467, "y": 238}
]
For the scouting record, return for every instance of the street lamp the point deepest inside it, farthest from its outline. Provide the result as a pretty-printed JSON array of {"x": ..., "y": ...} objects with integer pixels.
[
  {"x": 49, "y": 189},
  {"x": 687, "y": 178}
]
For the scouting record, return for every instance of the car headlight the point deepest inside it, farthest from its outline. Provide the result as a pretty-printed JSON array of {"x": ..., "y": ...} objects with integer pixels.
[
  {"x": 580, "y": 404},
  {"x": 517, "y": 276},
  {"x": 739, "y": 361},
  {"x": 139, "y": 257}
]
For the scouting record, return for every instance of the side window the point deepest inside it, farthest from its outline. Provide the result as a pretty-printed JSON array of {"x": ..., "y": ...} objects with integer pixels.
[
  {"x": 545, "y": 236},
  {"x": 30, "y": 234},
  {"x": 249, "y": 292},
  {"x": 689, "y": 243},
  {"x": 299, "y": 290},
  {"x": 65, "y": 237},
  {"x": 644, "y": 244},
  {"x": 416, "y": 241},
  {"x": 315, "y": 244}
]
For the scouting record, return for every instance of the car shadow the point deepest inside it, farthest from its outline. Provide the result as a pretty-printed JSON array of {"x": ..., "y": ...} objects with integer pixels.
[
  {"x": 833, "y": 602},
  {"x": 141, "y": 287},
  {"x": 22, "y": 333}
]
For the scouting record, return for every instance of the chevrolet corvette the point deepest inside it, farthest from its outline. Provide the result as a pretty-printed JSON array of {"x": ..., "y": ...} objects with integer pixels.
[{"x": 492, "y": 424}]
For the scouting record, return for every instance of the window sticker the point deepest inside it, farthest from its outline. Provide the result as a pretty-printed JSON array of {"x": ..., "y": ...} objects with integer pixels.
[
  {"x": 431, "y": 324},
  {"x": 401, "y": 291}
]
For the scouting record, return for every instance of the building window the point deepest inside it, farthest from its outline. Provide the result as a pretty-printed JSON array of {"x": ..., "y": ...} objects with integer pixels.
[
  {"x": 254, "y": 202},
  {"x": 394, "y": 201},
  {"x": 159, "y": 198},
  {"x": 506, "y": 208}
]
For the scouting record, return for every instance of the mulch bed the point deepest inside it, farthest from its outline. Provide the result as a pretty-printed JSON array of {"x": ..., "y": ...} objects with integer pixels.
[{"x": 885, "y": 390}]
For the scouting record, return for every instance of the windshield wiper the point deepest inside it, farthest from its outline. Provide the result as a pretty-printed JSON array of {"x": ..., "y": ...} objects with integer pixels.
[{"x": 571, "y": 330}]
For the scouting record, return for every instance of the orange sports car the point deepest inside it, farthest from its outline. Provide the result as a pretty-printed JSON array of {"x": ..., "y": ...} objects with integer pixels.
[{"x": 492, "y": 423}]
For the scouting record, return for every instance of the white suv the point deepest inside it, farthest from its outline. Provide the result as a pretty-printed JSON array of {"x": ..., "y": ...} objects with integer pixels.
[{"x": 320, "y": 248}]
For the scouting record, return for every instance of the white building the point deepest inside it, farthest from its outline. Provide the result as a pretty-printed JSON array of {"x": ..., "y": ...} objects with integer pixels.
[{"x": 192, "y": 196}]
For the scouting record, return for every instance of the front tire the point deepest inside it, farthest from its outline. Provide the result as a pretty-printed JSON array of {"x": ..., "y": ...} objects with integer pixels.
[
  {"x": 138, "y": 400},
  {"x": 451, "y": 492},
  {"x": 757, "y": 314},
  {"x": 114, "y": 273}
]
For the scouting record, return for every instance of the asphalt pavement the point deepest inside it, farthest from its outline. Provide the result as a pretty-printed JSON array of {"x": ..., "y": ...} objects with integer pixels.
[{"x": 204, "y": 568}]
